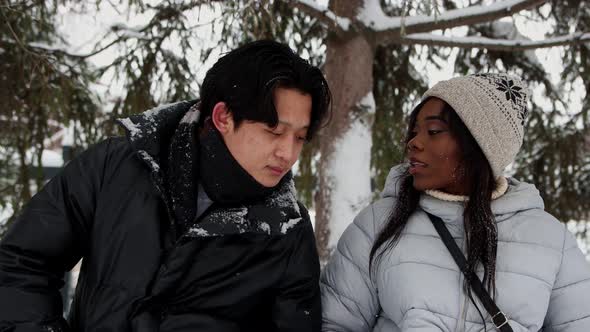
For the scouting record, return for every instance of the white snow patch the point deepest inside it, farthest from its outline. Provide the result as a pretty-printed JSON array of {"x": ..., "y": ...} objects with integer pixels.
[
  {"x": 265, "y": 227},
  {"x": 68, "y": 134},
  {"x": 289, "y": 224},
  {"x": 234, "y": 215},
  {"x": 484, "y": 41},
  {"x": 372, "y": 15},
  {"x": 349, "y": 177},
  {"x": 509, "y": 31},
  {"x": 342, "y": 22},
  {"x": 45, "y": 46},
  {"x": 152, "y": 112},
  {"x": 49, "y": 158},
  {"x": 131, "y": 127},
  {"x": 241, "y": 213},
  {"x": 312, "y": 217},
  {"x": 5, "y": 213},
  {"x": 285, "y": 198},
  {"x": 190, "y": 117},
  {"x": 130, "y": 32},
  {"x": 153, "y": 163},
  {"x": 198, "y": 231},
  {"x": 368, "y": 103},
  {"x": 578, "y": 228}
]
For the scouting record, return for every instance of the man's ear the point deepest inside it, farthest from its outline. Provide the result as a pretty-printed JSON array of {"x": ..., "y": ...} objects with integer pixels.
[{"x": 222, "y": 118}]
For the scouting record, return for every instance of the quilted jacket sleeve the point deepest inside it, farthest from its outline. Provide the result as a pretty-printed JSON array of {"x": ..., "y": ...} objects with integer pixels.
[
  {"x": 569, "y": 306},
  {"x": 46, "y": 240},
  {"x": 349, "y": 295}
]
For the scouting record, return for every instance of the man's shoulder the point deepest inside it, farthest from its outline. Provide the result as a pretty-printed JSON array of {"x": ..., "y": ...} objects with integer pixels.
[
  {"x": 111, "y": 157},
  {"x": 111, "y": 146}
]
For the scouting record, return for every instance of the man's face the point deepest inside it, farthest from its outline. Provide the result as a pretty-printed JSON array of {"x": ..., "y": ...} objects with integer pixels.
[{"x": 266, "y": 153}]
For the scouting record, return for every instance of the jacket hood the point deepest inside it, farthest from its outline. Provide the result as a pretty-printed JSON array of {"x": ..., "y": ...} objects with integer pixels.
[{"x": 520, "y": 196}]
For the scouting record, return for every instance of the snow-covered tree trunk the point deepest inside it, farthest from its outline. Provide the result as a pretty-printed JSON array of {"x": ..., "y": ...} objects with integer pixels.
[{"x": 345, "y": 144}]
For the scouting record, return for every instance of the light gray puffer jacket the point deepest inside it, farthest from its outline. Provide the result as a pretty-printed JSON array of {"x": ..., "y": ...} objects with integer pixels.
[{"x": 542, "y": 277}]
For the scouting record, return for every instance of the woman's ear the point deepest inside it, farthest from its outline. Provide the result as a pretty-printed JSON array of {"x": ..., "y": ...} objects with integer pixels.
[{"x": 222, "y": 118}]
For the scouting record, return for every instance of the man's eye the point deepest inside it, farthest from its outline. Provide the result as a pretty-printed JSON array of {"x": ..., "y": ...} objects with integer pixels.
[
  {"x": 275, "y": 133},
  {"x": 434, "y": 132}
]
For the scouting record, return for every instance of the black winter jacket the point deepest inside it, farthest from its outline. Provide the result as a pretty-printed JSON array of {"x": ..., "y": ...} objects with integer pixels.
[{"x": 105, "y": 209}]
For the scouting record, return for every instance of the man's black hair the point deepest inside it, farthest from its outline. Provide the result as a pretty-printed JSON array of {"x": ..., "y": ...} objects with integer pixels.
[{"x": 245, "y": 79}]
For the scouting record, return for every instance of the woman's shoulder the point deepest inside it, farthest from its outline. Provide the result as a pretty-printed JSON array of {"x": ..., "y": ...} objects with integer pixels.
[
  {"x": 522, "y": 217},
  {"x": 370, "y": 220}
]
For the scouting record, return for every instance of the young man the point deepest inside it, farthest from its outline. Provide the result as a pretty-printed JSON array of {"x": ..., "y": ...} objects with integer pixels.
[{"x": 190, "y": 223}]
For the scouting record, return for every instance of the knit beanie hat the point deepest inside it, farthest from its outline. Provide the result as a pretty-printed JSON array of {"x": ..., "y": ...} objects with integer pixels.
[{"x": 494, "y": 109}]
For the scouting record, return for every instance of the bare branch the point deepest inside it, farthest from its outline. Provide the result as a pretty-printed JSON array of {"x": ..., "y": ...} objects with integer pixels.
[
  {"x": 41, "y": 49},
  {"x": 388, "y": 29},
  {"x": 323, "y": 14},
  {"x": 493, "y": 44}
]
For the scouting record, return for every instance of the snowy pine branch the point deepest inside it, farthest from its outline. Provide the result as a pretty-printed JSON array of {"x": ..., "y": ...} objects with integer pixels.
[
  {"x": 493, "y": 44},
  {"x": 389, "y": 29},
  {"x": 323, "y": 14}
]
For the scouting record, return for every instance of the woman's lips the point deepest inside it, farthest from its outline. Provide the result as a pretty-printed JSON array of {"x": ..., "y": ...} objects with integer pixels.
[{"x": 416, "y": 166}]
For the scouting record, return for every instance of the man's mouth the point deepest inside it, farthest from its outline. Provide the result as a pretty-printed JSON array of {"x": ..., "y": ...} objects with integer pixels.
[{"x": 276, "y": 170}]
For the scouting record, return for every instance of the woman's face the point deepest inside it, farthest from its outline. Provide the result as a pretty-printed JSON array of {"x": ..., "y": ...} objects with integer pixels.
[{"x": 433, "y": 151}]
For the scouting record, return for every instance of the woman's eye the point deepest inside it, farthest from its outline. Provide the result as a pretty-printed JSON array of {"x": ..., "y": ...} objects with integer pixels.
[
  {"x": 434, "y": 131},
  {"x": 301, "y": 138}
]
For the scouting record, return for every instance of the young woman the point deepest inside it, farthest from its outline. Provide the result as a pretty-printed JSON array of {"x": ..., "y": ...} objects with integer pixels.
[{"x": 391, "y": 270}]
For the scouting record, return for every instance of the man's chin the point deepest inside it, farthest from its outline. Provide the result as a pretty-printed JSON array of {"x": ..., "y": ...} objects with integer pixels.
[{"x": 269, "y": 182}]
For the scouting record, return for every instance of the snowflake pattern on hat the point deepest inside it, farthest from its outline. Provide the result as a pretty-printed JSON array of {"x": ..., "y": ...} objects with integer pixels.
[{"x": 513, "y": 92}]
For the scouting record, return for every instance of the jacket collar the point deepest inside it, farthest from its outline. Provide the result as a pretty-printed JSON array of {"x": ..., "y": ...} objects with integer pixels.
[
  {"x": 519, "y": 196},
  {"x": 166, "y": 140},
  {"x": 150, "y": 131}
]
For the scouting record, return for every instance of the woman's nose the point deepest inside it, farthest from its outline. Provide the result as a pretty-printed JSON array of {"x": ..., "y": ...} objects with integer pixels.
[{"x": 415, "y": 144}]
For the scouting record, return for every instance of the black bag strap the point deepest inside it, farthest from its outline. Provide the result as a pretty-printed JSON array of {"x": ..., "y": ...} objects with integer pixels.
[{"x": 498, "y": 317}]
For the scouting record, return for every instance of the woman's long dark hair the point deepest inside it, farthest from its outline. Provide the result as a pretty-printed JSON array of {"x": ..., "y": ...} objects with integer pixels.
[{"x": 481, "y": 234}]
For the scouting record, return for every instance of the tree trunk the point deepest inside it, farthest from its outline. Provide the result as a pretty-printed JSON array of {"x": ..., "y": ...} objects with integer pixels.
[{"x": 345, "y": 177}]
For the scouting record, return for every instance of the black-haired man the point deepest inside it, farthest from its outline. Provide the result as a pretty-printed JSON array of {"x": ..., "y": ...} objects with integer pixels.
[{"x": 190, "y": 222}]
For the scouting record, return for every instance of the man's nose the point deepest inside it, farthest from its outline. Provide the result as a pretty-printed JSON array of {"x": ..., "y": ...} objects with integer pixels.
[{"x": 286, "y": 148}]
